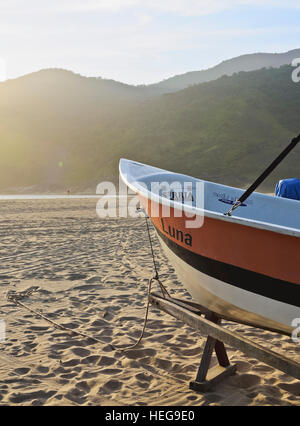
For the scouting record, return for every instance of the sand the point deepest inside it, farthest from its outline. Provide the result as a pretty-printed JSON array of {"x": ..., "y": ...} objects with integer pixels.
[{"x": 93, "y": 276}]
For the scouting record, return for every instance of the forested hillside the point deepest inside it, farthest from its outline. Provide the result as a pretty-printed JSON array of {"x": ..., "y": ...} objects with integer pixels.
[{"x": 60, "y": 130}]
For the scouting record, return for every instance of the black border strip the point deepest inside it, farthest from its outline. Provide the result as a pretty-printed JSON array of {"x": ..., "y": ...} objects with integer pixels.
[{"x": 273, "y": 288}]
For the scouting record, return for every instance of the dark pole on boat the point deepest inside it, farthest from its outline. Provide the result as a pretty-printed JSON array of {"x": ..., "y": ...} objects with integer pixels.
[{"x": 264, "y": 175}]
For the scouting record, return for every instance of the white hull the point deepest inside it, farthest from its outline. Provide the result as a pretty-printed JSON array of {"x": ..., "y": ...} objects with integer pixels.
[
  {"x": 244, "y": 267},
  {"x": 231, "y": 302}
]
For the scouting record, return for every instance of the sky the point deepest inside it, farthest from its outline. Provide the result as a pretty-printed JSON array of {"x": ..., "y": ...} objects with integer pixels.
[{"x": 140, "y": 41}]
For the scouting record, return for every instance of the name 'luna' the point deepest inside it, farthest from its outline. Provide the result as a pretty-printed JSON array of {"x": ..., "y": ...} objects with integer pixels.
[{"x": 177, "y": 234}]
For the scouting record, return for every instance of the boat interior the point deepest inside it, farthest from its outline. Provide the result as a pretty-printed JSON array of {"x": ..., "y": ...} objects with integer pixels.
[{"x": 213, "y": 197}]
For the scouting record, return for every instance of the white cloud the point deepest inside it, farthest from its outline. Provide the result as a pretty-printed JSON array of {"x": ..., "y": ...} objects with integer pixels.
[
  {"x": 205, "y": 7},
  {"x": 179, "y": 7},
  {"x": 129, "y": 41}
]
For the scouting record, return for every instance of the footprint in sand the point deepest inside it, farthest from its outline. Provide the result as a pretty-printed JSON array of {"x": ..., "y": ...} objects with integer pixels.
[
  {"x": 107, "y": 361},
  {"x": 81, "y": 352},
  {"x": 110, "y": 371},
  {"x": 74, "y": 277},
  {"x": 21, "y": 371},
  {"x": 244, "y": 381},
  {"x": 91, "y": 360},
  {"x": 212, "y": 398},
  {"x": 20, "y": 398},
  {"x": 71, "y": 363},
  {"x": 68, "y": 376},
  {"x": 140, "y": 353},
  {"x": 142, "y": 377},
  {"x": 59, "y": 346},
  {"x": 111, "y": 386},
  {"x": 242, "y": 366},
  {"x": 272, "y": 391},
  {"x": 85, "y": 387},
  {"x": 164, "y": 364},
  {"x": 293, "y": 388},
  {"x": 89, "y": 375},
  {"x": 191, "y": 351},
  {"x": 38, "y": 328},
  {"x": 76, "y": 395}
]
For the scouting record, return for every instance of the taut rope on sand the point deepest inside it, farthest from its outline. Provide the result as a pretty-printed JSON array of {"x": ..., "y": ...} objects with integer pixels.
[
  {"x": 16, "y": 297},
  {"x": 155, "y": 278},
  {"x": 164, "y": 292}
]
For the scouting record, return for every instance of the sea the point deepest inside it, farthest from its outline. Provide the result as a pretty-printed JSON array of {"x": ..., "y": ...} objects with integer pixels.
[{"x": 53, "y": 197}]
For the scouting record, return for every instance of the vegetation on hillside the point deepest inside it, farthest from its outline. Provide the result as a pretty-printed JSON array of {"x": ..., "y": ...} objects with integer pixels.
[
  {"x": 250, "y": 62},
  {"x": 60, "y": 130}
]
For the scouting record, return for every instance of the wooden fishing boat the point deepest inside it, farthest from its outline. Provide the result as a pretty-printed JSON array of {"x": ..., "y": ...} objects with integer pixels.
[{"x": 244, "y": 266}]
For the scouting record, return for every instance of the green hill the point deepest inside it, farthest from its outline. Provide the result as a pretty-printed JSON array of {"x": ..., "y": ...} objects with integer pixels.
[
  {"x": 250, "y": 62},
  {"x": 49, "y": 119},
  {"x": 60, "y": 130},
  {"x": 227, "y": 130}
]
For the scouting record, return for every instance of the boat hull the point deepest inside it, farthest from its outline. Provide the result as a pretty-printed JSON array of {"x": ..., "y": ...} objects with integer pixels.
[
  {"x": 224, "y": 267},
  {"x": 245, "y": 267},
  {"x": 227, "y": 301}
]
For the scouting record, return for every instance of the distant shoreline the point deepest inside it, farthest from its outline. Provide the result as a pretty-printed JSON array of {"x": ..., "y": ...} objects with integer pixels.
[
  {"x": 12, "y": 197},
  {"x": 53, "y": 196}
]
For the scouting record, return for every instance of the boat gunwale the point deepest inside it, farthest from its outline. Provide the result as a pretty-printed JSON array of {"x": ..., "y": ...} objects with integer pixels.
[{"x": 142, "y": 191}]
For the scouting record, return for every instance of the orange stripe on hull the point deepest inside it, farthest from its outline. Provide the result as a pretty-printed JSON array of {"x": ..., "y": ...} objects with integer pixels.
[{"x": 258, "y": 250}]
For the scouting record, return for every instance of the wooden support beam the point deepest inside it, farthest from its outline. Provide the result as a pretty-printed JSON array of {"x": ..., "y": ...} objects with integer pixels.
[{"x": 192, "y": 316}]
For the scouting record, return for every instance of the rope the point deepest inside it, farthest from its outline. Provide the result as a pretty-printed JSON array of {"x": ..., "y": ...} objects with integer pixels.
[
  {"x": 16, "y": 297},
  {"x": 162, "y": 287},
  {"x": 155, "y": 278},
  {"x": 151, "y": 247},
  {"x": 264, "y": 175},
  {"x": 164, "y": 291},
  {"x": 236, "y": 204}
]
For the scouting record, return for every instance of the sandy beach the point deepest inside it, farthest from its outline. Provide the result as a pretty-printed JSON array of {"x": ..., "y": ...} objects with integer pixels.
[{"x": 92, "y": 276}]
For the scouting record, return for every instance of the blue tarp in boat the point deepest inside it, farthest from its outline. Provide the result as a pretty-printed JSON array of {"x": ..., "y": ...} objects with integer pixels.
[{"x": 288, "y": 188}]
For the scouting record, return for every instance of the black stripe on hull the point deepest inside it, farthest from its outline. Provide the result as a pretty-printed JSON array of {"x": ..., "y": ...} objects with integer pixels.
[{"x": 282, "y": 291}]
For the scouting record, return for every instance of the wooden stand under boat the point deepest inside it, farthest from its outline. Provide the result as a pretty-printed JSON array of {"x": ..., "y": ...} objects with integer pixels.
[{"x": 209, "y": 324}]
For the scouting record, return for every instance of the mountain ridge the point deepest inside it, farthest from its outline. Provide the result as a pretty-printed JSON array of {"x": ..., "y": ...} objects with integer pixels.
[
  {"x": 248, "y": 62},
  {"x": 60, "y": 130}
]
